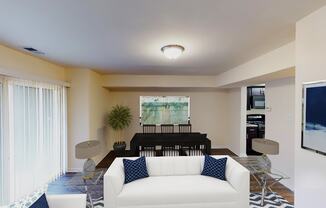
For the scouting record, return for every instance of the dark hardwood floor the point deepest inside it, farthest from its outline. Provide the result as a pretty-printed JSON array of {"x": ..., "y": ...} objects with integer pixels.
[
  {"x": 72, "y": 183},
  {"x": 277, "y": 187},
  {"x": 108, "y": 159},
  {"x": 223, "y": 152}
]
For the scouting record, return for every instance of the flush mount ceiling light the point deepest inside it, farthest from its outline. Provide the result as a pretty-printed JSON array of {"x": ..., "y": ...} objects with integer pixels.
[{"x": 172, "y": 51}]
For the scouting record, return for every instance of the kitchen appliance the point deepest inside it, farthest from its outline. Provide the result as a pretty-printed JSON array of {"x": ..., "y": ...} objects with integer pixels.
[
  {"x": 255, "y": 129},
  {"x": 258, "y": 101},
  {"x": 255, "y": 97}
]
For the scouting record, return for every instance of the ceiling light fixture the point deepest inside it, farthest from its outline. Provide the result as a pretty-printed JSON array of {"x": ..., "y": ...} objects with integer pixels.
[{"x": 172, "y": 51}]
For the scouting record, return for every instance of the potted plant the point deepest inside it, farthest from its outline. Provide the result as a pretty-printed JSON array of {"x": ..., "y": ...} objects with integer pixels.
[{"x": 119, "y": 119}]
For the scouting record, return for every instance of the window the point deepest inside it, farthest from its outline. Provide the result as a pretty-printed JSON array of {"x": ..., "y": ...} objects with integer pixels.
[
  {"x": 36, "y": 137},
  {"x": 164, "y": 109}
]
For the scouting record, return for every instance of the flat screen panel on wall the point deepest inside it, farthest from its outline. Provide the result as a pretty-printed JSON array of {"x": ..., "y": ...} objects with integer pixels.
[
  {"x": 164, "y": 109},
  {"x": 314, "y": 117}
]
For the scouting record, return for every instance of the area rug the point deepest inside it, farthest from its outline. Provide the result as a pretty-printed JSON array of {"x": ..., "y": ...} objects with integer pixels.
[{"x": 272, "y": 200}]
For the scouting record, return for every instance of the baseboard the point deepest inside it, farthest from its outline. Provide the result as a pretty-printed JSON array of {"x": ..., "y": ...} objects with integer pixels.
[
  {"x": 219, "y": 147},
  {"x": 243, "y": 155}
]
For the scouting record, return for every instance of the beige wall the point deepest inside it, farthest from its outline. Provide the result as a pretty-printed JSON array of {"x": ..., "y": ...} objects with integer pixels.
[
  {"x": 234, "y": 120},
  {"x": 275, "y": 65},
  {"x": 280, "y": 125},
  {"x": 87, "y": 105},
  {"x": 87, "y": 99},
  {"x": 208, "y": 112},
  {"x": 21, "y": 65},
  {"x": 78, "y": 114},
  {"x": 152, "y": 81},
  {"x": 98, "y": 98},
  {"x": 310, "y": 168},
  {"x": 85, "y": 96}
]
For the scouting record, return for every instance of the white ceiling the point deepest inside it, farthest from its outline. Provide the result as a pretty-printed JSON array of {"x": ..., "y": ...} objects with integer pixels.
[{"x": 125, "y": 36}]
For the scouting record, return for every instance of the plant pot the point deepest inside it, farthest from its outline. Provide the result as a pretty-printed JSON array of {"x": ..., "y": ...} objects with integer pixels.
[{"x": 119, "y": 148}]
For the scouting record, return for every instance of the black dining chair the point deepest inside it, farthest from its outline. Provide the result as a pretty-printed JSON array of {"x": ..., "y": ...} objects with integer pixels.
[
  {"x": 147, "y": 151},
  {"x": 170, "y": 150},
  {"x": 184, "y": 128},
  {"x": 167, "y": 128},
  {"x": 149, "y": 128},
  {"x": 193, "y": 150}
]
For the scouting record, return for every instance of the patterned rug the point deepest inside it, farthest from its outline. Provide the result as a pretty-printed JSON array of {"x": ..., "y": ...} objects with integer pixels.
[
  {"x": 272, "y": 200},
  {"x": 99, "y": 204}
]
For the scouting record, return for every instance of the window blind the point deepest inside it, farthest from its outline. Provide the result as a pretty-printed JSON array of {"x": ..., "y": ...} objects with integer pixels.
[{"x": 36, "y": 137}]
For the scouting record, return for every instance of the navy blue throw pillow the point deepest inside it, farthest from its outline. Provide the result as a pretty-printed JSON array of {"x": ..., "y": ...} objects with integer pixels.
[
  {"x": 40, "y": 203},
  {"x": 135, "y": 169},
  {"x": 214, "y": 167}
]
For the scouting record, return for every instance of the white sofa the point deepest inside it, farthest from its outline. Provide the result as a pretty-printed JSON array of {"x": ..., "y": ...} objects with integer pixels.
[
  {"x": 67, "y": 201},
  {"x": 175, "y": 182}
]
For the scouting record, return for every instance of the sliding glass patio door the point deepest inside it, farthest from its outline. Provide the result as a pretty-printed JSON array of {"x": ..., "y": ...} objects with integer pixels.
[{"x": 35, "y": 137}]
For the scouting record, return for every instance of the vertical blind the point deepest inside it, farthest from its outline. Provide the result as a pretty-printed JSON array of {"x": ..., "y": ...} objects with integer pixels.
[
  {"x": 1, "y": 152},
  {"x": 37, "y": 135}
]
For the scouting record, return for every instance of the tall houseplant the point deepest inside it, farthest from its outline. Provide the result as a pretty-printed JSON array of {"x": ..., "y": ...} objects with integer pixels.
[{"x": 119, "y": 119}]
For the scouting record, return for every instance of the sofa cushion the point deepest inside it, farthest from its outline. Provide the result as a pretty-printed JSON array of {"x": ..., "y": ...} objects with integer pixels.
[
  {"x": 214, "y": 167},
  {"x": 156, "y": 190},
  {"x": 40, "y": 202},
  {"x": 135, "y": 169},
  {"x": 171, "y": 166}
]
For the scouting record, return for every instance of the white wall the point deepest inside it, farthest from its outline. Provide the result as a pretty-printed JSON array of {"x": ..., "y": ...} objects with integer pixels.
[
  {"x": 256, "y": 111},
  {"x": 272, "y": 62},
  {"x": 310, "y": 168},
  {"x": 233, "y": 120},
  {"x": 208, "y": 112},
  {"x": 235, "y": 139},
  {"x": 279, "y": 95}
]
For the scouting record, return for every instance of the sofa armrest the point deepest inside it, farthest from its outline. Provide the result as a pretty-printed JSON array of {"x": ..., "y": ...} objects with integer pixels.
[
  {"x": 67, "y": 201},
  {"x": 113, "y": 183},
  {"x": 239, "y": 177}
]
